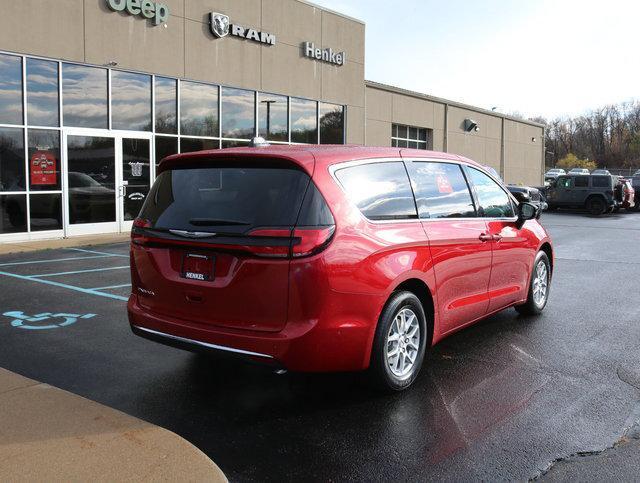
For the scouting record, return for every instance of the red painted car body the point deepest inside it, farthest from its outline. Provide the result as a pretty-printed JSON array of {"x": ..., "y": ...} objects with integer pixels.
[{"x": 319, "y": 312}]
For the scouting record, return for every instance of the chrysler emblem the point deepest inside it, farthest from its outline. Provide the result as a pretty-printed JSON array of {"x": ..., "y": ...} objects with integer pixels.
[{"x": 219, "y": 24}]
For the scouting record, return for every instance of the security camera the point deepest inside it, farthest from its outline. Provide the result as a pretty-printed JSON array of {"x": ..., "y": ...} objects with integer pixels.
[{"x": 471, "y": 125}]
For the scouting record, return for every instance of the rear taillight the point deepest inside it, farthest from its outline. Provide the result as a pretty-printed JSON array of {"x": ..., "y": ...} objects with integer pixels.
[
  {"x": 137, "y": 234},
  {"x": 276, "y": 243},
  {"x": 308, "y": 241}
]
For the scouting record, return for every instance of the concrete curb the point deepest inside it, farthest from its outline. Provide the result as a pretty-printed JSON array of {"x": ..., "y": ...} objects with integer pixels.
[
  {"x": 47, "y": 434},
  {"x": 76, "y": 241}
]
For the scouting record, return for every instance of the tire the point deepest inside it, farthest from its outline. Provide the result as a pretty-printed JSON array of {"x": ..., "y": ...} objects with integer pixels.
[
  {"x": 534, "y": 304},
  {"x": 387, "y": 372},
  {"x": 596, "y": 206}
]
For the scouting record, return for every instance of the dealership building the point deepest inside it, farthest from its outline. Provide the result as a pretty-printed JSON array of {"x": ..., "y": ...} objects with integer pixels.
[{"x": 94, "y": 93}]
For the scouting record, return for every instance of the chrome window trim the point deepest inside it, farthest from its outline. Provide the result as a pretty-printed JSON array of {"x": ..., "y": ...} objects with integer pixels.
[
  {"x": 348, "y": 164},
  {"x": 203, "y": 344}
]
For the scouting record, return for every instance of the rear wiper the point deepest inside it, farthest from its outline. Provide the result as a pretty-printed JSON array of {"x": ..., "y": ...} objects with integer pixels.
[{"x": 214, "y": 222}]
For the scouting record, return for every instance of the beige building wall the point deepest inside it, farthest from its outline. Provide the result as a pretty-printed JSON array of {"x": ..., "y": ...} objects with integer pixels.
[
  {"x": 523, "y": 141},
  {"x": 89, "y": 31}
]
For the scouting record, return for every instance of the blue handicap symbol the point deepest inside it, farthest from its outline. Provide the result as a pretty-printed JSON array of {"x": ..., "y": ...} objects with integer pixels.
[{"x": 22, "y": 321}]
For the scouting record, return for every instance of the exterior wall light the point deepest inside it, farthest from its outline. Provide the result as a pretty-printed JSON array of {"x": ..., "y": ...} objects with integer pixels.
[
  {"x": 533, "y": 139},
  {"x": 471, "y": 125}
]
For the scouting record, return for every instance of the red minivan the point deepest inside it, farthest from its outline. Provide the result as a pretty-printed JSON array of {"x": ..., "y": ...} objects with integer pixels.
[{"x": 330, "y": 258}]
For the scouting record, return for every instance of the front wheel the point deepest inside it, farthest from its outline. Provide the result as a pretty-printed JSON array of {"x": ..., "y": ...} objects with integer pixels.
[
  {"x": 596, "y": 206},
  {"x": 538, "y": 286},
  {"x": 399, "y": 344}
]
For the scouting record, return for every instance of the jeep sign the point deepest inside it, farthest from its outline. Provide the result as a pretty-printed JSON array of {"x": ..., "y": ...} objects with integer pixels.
[
  {"x": 145, "y": 8},
  {"x": 326, "y": 55}
]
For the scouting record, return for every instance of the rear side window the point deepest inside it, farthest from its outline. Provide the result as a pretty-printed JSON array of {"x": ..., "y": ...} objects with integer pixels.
[
  {"x": 581, "y": 181},
  {"x": 441, "y": 190},
  {"x": 314, "y": 211},
  {"x": 492, "y": 199},
  {"x": 600, "y": 181},
  {"x": 380, "y": 190},
  {"x": 564, "y": 182},
  {"x": 225, "y": 199}
]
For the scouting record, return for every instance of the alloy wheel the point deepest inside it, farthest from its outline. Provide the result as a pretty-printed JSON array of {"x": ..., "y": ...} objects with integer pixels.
[{"x": 403, "y": 343}]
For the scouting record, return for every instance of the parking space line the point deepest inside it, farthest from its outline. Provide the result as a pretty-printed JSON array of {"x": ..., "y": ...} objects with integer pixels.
[
  {"x": 11, "y": 264},
  {"x": 112, "y": 286},
  {"x": 64, "y": 285},
  {"x": 79, "y": 271},
  {"x": 99, "y": 253}
]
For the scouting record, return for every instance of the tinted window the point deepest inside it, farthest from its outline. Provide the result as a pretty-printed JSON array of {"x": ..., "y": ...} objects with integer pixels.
[
  {"x": 166, "y": 98},
  {"x": 42, "y": 93},
  {"x": 189, "y": 145},
  {"x": 12, "y": 176},
  {"x": 493, "y": 201},
  {"x": 13, "y": 213},
  {"x": 304, "y": 124},
  {"x": 225, "y": 199},
  {"x": 84, "y": 96},
  {"x": 331, "y": 124},
  {"x": 44, "y": 159},
  {"x": 441, "y": 190},
  {"x": 601, "y": 181},
  {"x": 46, "y": 212},
  {"x": 581, "y": 182},
  {"x": 10, "y": 89},
  {"x": 130, "y": 101},
  {"x": 380, "y": 190},
  {"x": 564, "y": 182},
  {"x": 272, "y": 117},
  {"x": 165, "y": 146},
  {"x": 198, "y": 109},
  {"x": 238, "y": 113},
  {"x": 314, "y": 211}
]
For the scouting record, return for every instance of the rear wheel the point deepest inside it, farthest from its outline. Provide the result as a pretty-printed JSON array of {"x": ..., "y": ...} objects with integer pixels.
[
  {"x": 399, "y": 344},
  {"x": 538, "y": 286},
  {"x": 596, "y": 206}
]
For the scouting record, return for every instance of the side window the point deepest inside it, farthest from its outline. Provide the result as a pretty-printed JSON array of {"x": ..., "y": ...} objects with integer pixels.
[
  {"x": 441, "y": 190},
  {"x": 564, "y": 183},
  {"x": 493, "y": 201},
  {"x": 600, "y": 181},
  {"x": 581, "y": 181},
  {"x": 380, "y": 190}
]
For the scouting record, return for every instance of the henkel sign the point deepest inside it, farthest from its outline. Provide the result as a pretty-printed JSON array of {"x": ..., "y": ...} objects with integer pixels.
[
  {"x": 145, "y": 8},
  {"x": 43, "y": 167},
  {"x": 221, "y": 26},
  {"x": 326, "y": 55}
]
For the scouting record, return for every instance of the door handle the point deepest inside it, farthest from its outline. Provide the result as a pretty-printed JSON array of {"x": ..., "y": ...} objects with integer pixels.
[
  {"x": 485, "y": 237},
  {"x": 497, "y": 237}
]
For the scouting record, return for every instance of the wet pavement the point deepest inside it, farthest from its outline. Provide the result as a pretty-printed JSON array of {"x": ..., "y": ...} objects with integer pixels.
[{"x": 504, "y": 399}]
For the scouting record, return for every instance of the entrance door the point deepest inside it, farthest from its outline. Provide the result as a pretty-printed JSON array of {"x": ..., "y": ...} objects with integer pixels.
[{"x": 107, "y": 179}]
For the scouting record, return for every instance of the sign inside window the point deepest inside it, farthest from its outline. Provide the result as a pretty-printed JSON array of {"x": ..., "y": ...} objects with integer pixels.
[{"x": 44, "y": 168}]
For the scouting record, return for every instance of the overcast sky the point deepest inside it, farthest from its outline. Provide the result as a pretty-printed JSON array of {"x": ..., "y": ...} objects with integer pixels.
[{"x": 536, "y": 57}]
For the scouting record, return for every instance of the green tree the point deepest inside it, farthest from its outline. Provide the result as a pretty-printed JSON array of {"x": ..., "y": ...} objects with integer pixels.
[{"x": 572, "y": 161}]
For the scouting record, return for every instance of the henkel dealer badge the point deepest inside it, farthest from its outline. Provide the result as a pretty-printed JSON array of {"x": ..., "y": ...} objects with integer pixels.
[{"x": 43, "y": 168}]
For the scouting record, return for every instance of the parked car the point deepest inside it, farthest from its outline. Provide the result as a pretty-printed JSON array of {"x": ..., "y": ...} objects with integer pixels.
[
  {"x": 600, "y": 171},
  {"x": 635, "y": 183},
  {"x": 595, "y": 193},
  {"x": 625, "y": 194},
  {"x": 554, "y": 173},
  {"x": 637, "y": 173},
  {"x": 321, "y": 258},
  {"x": 581, "y": 171},
  {"x": 523, "y": 194}
]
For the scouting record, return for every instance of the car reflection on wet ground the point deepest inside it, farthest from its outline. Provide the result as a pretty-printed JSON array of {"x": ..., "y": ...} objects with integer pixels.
[{"x": 500, "y": 400}]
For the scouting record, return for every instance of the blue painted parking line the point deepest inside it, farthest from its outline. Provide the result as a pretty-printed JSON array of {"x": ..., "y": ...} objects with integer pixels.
[
  {"x": 64, "y": 285},
  {"x": 99, "y": 253},
  {"x": 79, "y": 271},
  {"x": 112, "y": 286},
  {"x": 11, "y": 264}
]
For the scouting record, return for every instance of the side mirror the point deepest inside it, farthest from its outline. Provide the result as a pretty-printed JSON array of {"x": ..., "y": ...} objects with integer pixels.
[{"x": 526, "y": 211}]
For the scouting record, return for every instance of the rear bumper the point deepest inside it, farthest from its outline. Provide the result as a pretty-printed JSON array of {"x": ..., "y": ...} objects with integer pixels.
[{"x": 306, "y": 346}]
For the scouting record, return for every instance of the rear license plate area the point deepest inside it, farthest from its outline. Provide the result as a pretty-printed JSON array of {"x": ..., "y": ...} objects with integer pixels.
[{"x": 196, "y": 266}]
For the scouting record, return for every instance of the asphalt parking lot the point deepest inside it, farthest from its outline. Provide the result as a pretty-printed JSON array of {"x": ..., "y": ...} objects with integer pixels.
[{"x": 504, "y": 399}]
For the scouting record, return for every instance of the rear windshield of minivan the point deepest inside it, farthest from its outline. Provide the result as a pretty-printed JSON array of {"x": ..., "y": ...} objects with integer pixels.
[{"x": 232, "y": 199}]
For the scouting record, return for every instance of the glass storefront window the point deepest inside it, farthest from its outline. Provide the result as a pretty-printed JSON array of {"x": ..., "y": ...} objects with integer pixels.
[
  {"x": 10, "y": 89},
  {"x": 304, "y": 123},
  {"x": 189, "y": 145},
  {"x": 46, "y": 211},
  {"x": 42, "y": 93},
  {"x": 234, "y": 144},
  {"x": 130, "y": 101},
  {"x": 273, "y": 117},
  {"x": 13, "y": 213},
  {"x": 12, "y": 176},
  {"x": 44, "y": 159},
  {"x": 238, "y": 113},
  {"x": 166, "y": 105},
  {"x": 331, "y": 123},
  {"x": 198, "y": 109},
  {"x": 165, "y": 146},
  {"x": 84, "y": 96}
]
